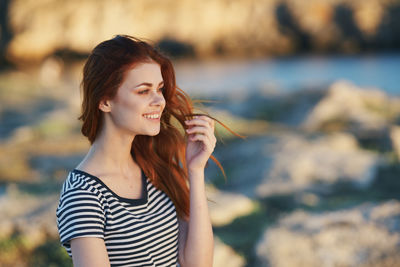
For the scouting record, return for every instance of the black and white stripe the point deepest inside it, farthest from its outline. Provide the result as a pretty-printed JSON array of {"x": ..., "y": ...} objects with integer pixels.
[{"x": 136, "y": 232}]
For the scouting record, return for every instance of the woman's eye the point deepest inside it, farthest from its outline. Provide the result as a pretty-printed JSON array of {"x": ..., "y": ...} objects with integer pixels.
[{"x": 143, "y": 91}]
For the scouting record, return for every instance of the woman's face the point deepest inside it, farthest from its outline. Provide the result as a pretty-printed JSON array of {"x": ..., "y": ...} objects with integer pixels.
[{"x": 139, "y": 102}]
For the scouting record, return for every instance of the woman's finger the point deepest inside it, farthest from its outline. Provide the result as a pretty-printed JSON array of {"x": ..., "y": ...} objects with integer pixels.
[
  {"x": 198, "y": 129},
  {"x": 205, "y": 140},
  {"x": 201, "y": 120},
  {"x": 206, "y": 137},
  {"x": 209, "y": 120},
  {"x": 197, "y": 122},
  {"x": 203, "y": 130}
]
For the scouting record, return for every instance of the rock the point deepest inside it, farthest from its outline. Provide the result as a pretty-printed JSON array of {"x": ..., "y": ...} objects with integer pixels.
[
  {"x": 51, "y": 71},
  {"x": 366, "y": 113},
  {"x": 368, "y": 17},
  {"x": 299, "y": 164},
  {"x": 225, "y": 255},
  {"x": 32, "y": 216},
  {"x": 80, "y": 27},
  {"x": 395, "y": 138},
  {"x": 224, "y": 207},
  {"x": 211, "y": 28},
  {"x": 286, "y": 163},
  {"x": 367, "y": 235},
  {"x": 349, "y": 107}
]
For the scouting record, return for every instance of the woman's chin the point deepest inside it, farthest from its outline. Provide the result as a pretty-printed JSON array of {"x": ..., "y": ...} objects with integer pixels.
[{"x": 154, "y": 133}]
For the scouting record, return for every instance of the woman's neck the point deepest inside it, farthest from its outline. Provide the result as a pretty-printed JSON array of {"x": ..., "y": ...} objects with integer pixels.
[{"x": 110, "y": 153}]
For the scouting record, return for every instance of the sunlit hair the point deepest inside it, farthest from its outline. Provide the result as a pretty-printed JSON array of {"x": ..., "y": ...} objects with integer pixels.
[{"x": 161, "y": 157}]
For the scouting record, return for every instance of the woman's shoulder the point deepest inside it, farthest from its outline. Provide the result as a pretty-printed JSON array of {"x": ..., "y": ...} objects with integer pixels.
[
  {"x": 79, "y": 203},
  {"x": 77, "y": 182},
  {"x": 80, "y": 189}
]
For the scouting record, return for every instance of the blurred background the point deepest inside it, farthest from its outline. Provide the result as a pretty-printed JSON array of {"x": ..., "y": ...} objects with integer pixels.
[{"x": 314, "y": 85}]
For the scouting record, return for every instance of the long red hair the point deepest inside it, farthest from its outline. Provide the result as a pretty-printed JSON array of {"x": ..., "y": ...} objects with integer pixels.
[{"x": 161, "y": 157}]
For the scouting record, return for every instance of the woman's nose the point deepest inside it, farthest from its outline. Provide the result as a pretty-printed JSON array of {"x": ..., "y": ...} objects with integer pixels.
[{"x": 158, "y": 99}]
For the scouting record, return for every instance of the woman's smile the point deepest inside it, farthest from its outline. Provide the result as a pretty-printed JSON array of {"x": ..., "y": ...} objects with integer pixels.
[{"x": 154, "y": 116}]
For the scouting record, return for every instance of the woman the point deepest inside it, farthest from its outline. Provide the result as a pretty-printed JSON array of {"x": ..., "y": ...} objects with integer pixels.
[{"x": 128, "y": 202}]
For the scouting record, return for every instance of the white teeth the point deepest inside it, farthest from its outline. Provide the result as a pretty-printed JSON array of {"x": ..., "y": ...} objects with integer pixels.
[{"x": 153, "y": 116}]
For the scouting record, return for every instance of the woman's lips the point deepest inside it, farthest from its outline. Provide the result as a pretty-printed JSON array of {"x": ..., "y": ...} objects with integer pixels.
[{"x": 152, "y": 116}]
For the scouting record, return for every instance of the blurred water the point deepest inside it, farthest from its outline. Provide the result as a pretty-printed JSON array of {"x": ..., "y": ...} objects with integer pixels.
[{"x": 291, "y": 73}]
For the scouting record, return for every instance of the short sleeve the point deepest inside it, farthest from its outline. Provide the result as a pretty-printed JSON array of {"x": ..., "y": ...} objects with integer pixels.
[{"x": 79, "y": 214}]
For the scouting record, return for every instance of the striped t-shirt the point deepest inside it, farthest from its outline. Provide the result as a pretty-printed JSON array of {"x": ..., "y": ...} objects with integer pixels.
[{"x": 136, "y": 232}]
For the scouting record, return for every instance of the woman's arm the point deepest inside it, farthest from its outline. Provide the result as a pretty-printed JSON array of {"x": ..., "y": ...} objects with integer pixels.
[
  {"x": 89, "y": 252},
  {"x": 196, "y": 235}
]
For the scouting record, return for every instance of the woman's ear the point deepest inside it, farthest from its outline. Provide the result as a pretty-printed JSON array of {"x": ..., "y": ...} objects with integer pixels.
[{"x": 105, "y": 105}]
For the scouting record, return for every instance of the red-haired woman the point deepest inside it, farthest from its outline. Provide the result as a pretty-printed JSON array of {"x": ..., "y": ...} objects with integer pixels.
[{"x": 128, "y": 202}]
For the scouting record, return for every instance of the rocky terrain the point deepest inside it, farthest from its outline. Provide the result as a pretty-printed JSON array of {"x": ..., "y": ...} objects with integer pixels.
[
  {"x": 31, "y": 30},
  {"x": 315, "y": 183},
  {"x": 323, "y": 179},
  {"x": 363, "y": 235}
]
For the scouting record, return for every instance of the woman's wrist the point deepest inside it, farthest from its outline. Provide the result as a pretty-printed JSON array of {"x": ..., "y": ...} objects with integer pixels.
[
  {"x": 196, "y": 175},
  {"x": 195, "y": 171}
]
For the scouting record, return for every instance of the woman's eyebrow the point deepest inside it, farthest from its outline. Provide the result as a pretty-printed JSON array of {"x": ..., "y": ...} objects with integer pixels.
[{"x": 148, "y": 84}]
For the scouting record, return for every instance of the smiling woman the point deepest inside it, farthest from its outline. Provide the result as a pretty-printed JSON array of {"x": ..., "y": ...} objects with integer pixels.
[
  {"x": 137, "y": 102},
  {"x": 138, "y": 197}
]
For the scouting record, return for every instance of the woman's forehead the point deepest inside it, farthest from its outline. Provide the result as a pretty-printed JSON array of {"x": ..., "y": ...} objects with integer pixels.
[{"x": 144, "y": 72}]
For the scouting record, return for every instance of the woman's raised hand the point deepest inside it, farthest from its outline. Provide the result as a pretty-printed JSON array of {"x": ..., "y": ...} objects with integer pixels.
[{"x": 201, "y": 142}]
